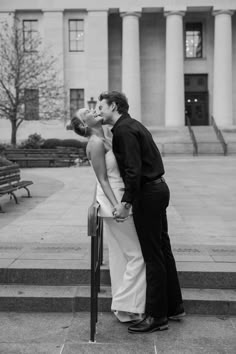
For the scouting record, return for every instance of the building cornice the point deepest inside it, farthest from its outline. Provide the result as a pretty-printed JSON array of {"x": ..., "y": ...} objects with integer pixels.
[
  {"x": 169, "y": 13},
  {"x": 130, "y": 13},
  {"x": 222, "y": 12}
]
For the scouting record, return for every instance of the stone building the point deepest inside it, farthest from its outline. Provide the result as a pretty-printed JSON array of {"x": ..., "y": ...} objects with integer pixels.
[{"x": 170, "y": 57}]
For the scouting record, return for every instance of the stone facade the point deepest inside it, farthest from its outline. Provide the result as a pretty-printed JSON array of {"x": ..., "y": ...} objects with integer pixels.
[{"x": 138, "y": 47}]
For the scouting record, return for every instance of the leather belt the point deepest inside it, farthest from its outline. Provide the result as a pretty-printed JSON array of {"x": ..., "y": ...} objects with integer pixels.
[{"x": 155, "y": 181}]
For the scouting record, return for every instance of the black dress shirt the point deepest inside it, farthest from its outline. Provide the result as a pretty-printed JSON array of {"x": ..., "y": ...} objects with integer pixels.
[{"x": 137, "y": 155}]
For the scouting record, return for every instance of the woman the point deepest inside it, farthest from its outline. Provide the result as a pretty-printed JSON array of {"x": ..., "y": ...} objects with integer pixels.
[{"x": 127, "y": 268}]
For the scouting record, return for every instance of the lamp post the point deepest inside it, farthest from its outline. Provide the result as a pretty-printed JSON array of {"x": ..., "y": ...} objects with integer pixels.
[{"x": 92, "y": 103}]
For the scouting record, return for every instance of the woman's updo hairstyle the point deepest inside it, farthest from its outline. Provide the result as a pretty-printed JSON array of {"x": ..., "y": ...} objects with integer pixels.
[{"x": 78, "y": 124}]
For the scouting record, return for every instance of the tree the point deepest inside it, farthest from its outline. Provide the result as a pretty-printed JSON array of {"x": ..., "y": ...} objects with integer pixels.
[{"x": 30, "y": 87}]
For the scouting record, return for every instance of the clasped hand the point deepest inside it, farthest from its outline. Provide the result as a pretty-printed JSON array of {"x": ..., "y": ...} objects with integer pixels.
[{"x": 120, "y": 213}]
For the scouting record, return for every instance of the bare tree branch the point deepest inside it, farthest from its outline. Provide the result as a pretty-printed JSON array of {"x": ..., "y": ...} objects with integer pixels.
[{"x": 22, "y": 71}]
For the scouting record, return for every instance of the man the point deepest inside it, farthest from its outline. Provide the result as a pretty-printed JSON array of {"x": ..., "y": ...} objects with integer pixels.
[{"x": 141, "y": 168}]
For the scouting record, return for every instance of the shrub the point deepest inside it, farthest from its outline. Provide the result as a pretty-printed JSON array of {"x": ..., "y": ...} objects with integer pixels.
[
  {"x": 34, "y": 141},
  {"x": 4, "y": 161},
  {"x": 73, "y": 143},
  {"x": 51, "y": 143},
  {"x": 5, "y": 146},
  {"x": 54, "y": 143}
]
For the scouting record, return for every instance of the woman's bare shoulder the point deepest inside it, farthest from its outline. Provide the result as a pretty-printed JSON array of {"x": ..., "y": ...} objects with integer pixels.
[{"x": 95, "y": 143}]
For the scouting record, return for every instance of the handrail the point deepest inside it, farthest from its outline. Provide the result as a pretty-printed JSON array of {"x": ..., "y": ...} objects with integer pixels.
[
  {"x": 219, "y": 135},
  {"x": 192, "y": 135},
  {"x": 95, "y": 231}
]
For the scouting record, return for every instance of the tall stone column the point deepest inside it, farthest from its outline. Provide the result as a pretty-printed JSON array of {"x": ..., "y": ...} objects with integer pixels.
[
  {"x": 174, "y": 89},
  {"x": 222, "y": 87},
  {"x": 96, "y": 51},
  {"x": 131, "y": 85}
]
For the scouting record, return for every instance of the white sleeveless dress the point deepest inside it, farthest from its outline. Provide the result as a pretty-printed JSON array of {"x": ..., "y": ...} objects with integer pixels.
[{"x": 127, "y": 267}]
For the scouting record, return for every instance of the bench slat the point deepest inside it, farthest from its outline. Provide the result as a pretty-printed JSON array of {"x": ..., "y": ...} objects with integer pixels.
[{"x": 10, "y": 181}]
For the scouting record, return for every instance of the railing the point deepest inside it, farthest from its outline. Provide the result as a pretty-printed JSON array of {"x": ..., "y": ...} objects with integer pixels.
[
  {"x": 219, "y": 136},
  {"x": 95, "y": 231},
  {"x": 193, "y": 138}
]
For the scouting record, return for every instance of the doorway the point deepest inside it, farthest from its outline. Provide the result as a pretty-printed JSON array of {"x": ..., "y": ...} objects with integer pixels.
[{"x": 196, "y": 99}]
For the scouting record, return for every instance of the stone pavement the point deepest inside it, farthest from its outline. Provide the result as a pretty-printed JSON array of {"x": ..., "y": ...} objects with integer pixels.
[
  {"x": 49, "y": 231},
  {"x": 201, "y": 214},
  {"x": 67, "y": 334}
]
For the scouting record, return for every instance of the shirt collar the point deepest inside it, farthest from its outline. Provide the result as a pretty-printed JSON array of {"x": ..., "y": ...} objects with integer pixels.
[{"x": 118, "y": 122}]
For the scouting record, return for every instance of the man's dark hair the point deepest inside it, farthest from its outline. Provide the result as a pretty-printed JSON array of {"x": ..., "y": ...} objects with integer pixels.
[{"x": 118, "y": 98}]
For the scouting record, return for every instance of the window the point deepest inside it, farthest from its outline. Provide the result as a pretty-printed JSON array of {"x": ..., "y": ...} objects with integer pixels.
[
  {"x": 76, "y": 100},
  {"x": 193, "y": 40},
  {"x": 76, "y": 35},
  {"x": 30, "y": 34},
  {"x": 31, "y": 98}
]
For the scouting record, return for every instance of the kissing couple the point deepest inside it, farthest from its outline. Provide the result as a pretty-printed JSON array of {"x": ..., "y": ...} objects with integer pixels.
[{"x": 133, "y": 198}]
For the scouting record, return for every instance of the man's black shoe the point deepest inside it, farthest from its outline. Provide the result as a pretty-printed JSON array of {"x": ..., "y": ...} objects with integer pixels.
[
  {"x": 178, "y": 314},
  {"x": 149, "y": 324}
]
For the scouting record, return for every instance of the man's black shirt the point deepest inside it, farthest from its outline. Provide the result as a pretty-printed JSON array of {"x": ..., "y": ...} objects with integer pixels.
[{"x": 137, "y": 155}]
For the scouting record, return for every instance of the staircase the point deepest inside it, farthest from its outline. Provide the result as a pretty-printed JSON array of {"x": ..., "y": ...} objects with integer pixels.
[
  {"x": 172, "y": 140},
  {"x": 229, "y": 135},
  {"x": 207, "y": 140},
  {"x": 57, "y": 284}
]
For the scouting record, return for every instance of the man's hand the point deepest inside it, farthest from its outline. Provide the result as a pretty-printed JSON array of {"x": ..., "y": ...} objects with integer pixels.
[{"x": 120, "y": 213}]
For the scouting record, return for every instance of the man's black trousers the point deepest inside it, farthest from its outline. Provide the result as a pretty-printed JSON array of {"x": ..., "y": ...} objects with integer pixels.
[{"x": 149, "y": 211}]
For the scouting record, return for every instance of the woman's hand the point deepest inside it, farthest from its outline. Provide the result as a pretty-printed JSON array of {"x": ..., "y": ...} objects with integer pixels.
[{"x": 120, "y": 213}]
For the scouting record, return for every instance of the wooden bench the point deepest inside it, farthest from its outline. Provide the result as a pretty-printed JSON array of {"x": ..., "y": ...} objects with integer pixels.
[
  {"x": 51, "y": 156},
  {"x": 10, "y": 182},
  {"x": 79, "y": 154}
]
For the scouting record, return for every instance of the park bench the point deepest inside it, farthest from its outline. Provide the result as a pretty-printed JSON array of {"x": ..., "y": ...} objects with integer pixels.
[
  {"x": 10, "y": 182},
  {"x": 36, "y": 157},
  {"x": 78, "y": 154}
]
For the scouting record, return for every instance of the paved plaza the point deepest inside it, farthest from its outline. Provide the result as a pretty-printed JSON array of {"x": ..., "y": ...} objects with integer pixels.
[{"x": 50, "y": 229}]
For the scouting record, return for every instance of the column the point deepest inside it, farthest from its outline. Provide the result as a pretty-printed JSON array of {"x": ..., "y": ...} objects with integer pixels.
[
  {"x": 96, "y": 50},
  {"x": 174, "y": 89},
  {"x": 222, "y": 80},
  {"x": 131, "y": 85}
]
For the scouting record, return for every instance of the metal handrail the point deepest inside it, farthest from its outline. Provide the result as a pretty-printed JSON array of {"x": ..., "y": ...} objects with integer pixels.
[
  {"x": 192, "y": 135},
  {"x": 219, "y": 135},
  {"x": 95, "y": 231}
]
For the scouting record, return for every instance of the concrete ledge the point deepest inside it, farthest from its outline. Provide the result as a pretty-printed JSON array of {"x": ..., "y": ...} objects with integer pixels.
[
  {"x": 191, "y": 274},
  {"x": 75, "y": 299}
]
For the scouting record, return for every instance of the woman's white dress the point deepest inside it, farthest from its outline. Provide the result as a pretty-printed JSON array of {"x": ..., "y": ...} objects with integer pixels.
[{"x": 127, "y": 268}]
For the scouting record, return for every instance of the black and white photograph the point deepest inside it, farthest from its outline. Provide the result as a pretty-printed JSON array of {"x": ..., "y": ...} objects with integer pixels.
[{"x": 117, "y": 176}]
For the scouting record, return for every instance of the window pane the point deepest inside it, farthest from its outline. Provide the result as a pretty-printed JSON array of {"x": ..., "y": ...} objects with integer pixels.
[
  {"x": 76, "y": 35},
  {"x": 34, "y": 25},
  {"x": 80, "y": 36},
  {"x": 73, "y": 46},
  {"x": 193, "y": 42},
  {"x": 76, "y": 100},
  {"x": 80, "y": 25},
  {"x": 73, "y": 36},
  {"x": 80, "y": 46},
  {"x": 26, "y": 25},
  {"x": 72, "y": 25},
  {"x": 30, "y": 35},
  {"x": 73, "y": 94}
]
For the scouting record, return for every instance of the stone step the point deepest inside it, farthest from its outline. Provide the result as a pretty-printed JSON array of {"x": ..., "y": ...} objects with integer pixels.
[
  {"x": 23, "y": 298},
  {"x": 172, "y": 141},
  {"x": 207, "y": 140},
  {"x": 229, "y": 135},
  {"x": 175, "y": 148},
  {"x": 205, "y": 134},
  {"x": 167, "y": 135},
  {"x": 211, "y": 275},
  {"x": 210, "y": 148}
]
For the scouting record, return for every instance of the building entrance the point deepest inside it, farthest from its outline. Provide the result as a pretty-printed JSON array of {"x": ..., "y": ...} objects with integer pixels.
[{"x": 196, "y": 99}]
